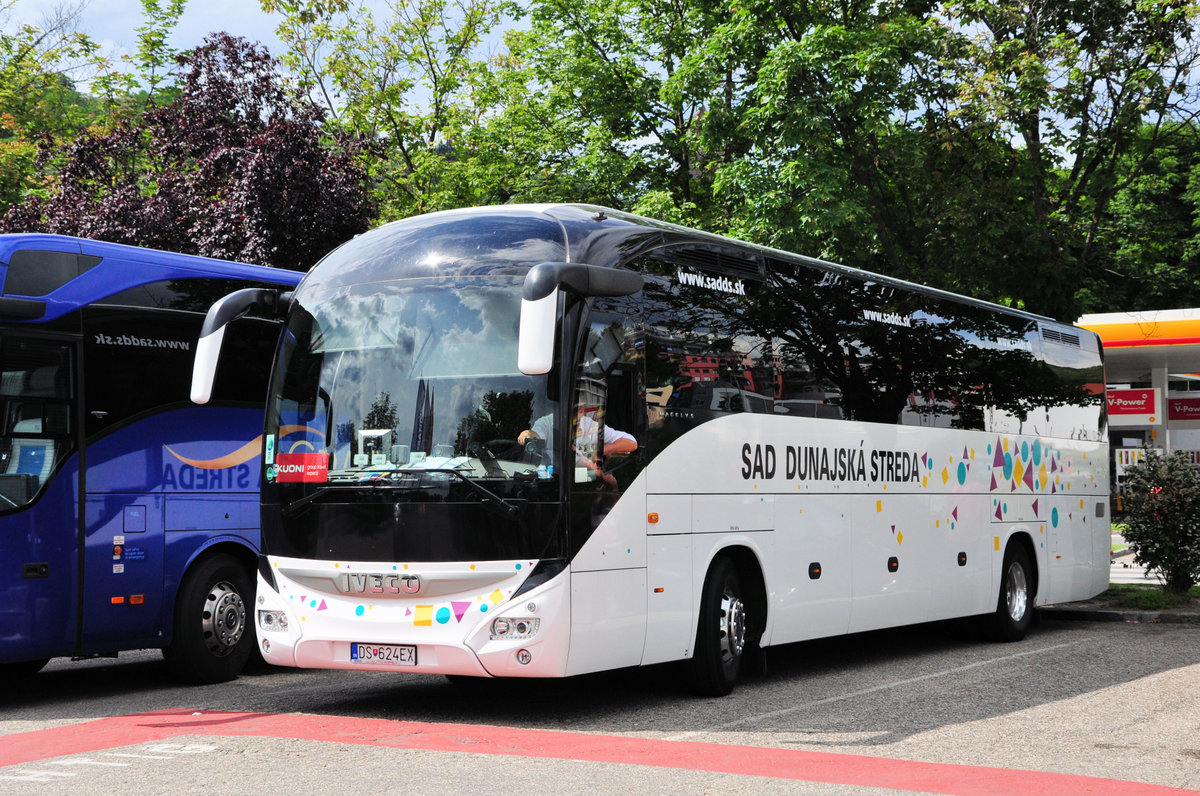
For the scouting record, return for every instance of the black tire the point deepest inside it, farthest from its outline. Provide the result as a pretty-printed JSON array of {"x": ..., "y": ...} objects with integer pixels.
[
  {"x": 721, "y": 633},
  {"x": 21, "y": 669},
  {"x": 1014, "y": 606},
  {"x": 213, "y": 635}
]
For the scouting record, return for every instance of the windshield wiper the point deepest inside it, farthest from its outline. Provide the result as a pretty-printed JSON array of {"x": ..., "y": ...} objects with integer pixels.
[
  {"x": 489, "y": 497},
  {"x": 320, "y": 492}
]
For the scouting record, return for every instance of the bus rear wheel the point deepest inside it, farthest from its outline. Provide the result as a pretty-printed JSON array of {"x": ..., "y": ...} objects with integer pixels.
[
  {"x": 213, "y": 638},
  {"x": 1014, "y": 607},
  {"x": 721, "y": 633}
]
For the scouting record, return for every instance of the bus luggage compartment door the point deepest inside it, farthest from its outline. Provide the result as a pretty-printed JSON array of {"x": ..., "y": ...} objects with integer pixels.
[{"x": 123, "y": 573}]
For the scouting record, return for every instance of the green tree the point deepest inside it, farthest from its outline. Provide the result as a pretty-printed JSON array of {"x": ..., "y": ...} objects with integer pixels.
[
  {"x": 988, "y": 148},
  {"x": 1148, "y": 248},
  {"x": 235, "y": 167},
  {"x": 38, "y": 99},
  {"x": 402, "y": 79},
  {"x": 147, "y": 76},
  {"x": 1090, "y": 91},
  {"x": 626, "y": 91}
]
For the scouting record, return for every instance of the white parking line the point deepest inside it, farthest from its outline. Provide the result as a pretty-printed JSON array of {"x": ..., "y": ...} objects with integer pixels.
[
  {"x": 731, "y": 725},
  {"x": 181, "y": 749},
  {"x": 86, "y": 761},
  {"x": 166, "y": 751}
]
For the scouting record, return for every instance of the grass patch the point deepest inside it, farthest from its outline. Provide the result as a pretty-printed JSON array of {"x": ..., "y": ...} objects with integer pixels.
[{"x": 1150, "y": 598}]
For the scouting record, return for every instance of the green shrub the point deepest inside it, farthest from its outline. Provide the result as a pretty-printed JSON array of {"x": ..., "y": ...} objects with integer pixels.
[{"x": 1163, "y": 502}]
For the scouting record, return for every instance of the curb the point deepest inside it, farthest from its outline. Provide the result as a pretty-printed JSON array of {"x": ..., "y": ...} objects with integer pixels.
[{"x": 1105, "y": 615}]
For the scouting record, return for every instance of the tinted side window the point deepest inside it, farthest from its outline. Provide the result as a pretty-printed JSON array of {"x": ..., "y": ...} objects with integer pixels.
[
  {"x": 38, "y": 273},
  {"x": 708, "y": 352},
  {"x": 194, "y": 295},
  {"x": 135, "y": 362},
  {"x": 37, "y": 387},
  {"x": 245, "y": 366},
  {"x": 1072, "y": 385},
  {"x": 845, "y": 343},
  {"x": 979, "y": 370}
]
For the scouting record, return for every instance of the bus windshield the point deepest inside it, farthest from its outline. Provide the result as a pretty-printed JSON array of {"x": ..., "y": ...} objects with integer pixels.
[{"x": 405, "y": 382}]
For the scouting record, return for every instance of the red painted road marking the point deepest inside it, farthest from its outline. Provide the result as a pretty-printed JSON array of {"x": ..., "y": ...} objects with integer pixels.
[{"x": 794, "y": 764}]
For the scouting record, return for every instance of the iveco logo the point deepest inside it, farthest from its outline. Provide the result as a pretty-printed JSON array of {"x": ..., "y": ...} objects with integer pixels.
[{"x": 367, "y": 583}]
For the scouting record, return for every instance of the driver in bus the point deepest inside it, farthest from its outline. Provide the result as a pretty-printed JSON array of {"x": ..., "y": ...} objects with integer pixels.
[{"x": 616, "y": 443}]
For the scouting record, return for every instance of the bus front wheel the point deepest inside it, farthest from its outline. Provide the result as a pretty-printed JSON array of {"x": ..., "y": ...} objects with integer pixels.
[
  {"x": 721, "y": 633},
  {"x": 1014, "y": 607},
  {"x": 213, "y": 638}
]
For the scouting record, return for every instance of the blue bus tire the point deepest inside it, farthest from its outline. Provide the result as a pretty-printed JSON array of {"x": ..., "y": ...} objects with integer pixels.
[{"x": 213, "y": 636}]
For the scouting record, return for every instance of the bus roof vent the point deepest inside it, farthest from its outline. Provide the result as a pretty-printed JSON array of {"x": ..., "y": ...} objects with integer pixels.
[
  {"x": 1058, "y": 336},
  {"x": 713, "y": 259}
]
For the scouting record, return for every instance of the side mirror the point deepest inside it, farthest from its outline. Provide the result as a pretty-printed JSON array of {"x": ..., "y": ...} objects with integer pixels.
[
  {"x": 212, "y": 333},
  {"x": 539, "y": 305}
]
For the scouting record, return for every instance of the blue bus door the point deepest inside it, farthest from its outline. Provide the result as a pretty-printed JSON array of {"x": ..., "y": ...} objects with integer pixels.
[{"x": 40, "y": 455}]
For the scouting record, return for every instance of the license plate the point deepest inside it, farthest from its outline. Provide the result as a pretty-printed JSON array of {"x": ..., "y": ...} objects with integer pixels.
[{"x": 394, "y": 654}]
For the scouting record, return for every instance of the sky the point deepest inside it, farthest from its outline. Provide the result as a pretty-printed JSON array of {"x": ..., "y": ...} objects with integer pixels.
[{"x": 113, "y": 23}]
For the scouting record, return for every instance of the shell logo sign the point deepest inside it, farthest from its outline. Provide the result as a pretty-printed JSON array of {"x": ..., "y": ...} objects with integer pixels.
[
  {"x": 1183, "y": 409},
  {"x": 1133, "y": 407}
]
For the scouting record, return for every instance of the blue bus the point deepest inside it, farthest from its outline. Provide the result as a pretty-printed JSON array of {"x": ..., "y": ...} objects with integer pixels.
[{"x": 128, "y": 516}]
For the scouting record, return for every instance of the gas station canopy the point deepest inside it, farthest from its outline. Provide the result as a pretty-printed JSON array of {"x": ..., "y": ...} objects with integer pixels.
[
  {"x": 1136, "y": 344},
  {"x": 1152, "y": 366}
]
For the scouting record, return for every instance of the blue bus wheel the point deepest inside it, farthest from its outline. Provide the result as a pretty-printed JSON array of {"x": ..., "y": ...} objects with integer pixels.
[{"x": 213, "y": 637}]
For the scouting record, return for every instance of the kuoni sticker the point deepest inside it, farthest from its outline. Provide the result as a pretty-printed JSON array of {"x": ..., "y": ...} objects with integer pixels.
[{"x": 302, "y": 467}]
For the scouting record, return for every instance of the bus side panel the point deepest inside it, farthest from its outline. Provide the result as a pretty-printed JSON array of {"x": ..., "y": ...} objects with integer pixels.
[
  {"x": 670, "y": 596},
  {"x": 894, "y": 573},
  {"x": 962, "y": 580},
  {"x": 122, "y": 605},
  {"x": 1070, "y": 552},
  {"x": 608, "y": 620},
  {"x": 40, "y": 573},
  {"x": 669, "y": 591},
  {"x": 811, "y": 569}
]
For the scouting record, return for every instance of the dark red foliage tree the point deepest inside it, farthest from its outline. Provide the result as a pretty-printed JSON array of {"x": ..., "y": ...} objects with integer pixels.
[{"x": 234, "y": 167}]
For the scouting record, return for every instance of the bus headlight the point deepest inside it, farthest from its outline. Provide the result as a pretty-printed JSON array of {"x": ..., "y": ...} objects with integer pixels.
[
  {"x": 504, "y": 627},
  {"x": 273, "y": 621}
]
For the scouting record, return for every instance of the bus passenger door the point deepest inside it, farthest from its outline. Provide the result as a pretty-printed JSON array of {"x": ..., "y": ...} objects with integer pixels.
[
  {"x": 39, "y": 497},
  {"x": 608, "y": 499}
]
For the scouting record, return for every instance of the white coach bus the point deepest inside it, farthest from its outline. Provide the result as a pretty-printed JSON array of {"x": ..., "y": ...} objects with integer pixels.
[{"x": 538, "y": 441}]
